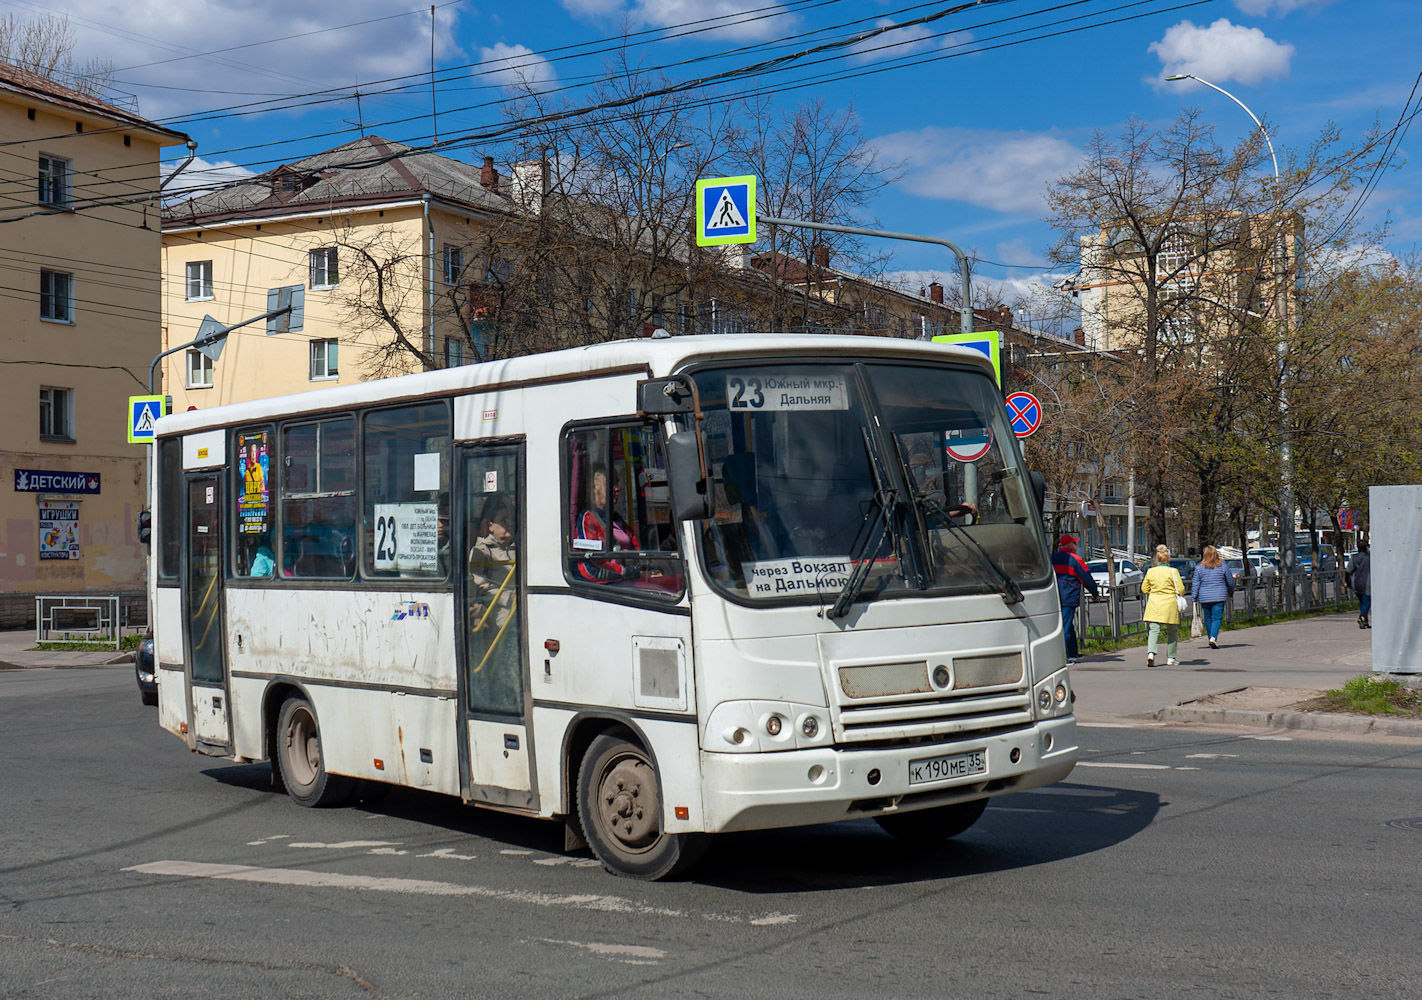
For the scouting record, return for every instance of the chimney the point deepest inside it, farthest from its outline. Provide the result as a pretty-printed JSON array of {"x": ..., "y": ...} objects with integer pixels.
[
  {"x": 819, "y": 255},
  {"x": 1078, "y": 337},
  {"x": 488, "y": 176},
  {"x": 935, "y": 293}
]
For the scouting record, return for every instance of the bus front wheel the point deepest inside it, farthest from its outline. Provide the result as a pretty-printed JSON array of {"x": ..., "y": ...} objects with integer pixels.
[
  {"x": 303, "y": 769},
  {"x": 932, "y": 826},
  {"x": 620, "y": 807}
]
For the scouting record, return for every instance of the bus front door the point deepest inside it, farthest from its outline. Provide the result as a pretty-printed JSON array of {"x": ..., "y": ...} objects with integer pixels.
[
  {"x": 495, "y": 756},
  {"x": 203, "y": 633}
]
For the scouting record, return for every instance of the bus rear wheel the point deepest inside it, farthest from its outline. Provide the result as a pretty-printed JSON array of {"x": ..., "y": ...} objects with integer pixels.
[
  {"x": 932, "y": 826},
  {"x": 299, "y": 758},
  {"x": 620, "y": 808}
]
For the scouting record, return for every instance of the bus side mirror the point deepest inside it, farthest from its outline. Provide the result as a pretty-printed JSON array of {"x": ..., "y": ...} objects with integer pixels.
[
  {"x": 690, "y": 491},
  {"x": 665, "y": 396},
  {"x": 1038, "y": 483},
  {"x": 145, "y": 527}
]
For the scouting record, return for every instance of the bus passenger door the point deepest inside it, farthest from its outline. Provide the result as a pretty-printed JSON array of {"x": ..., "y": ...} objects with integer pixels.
[
  {"x": 203, "y": 632},
  {"x": 495, "y": 755}
]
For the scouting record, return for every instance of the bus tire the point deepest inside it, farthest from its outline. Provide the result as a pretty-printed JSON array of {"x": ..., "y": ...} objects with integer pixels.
[
  {"x": 932, "y": 826},
  {"x": 619, "y": 806},
  {"x": 299, "y": 757}
]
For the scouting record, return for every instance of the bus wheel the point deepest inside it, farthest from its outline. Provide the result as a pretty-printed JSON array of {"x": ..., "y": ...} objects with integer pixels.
[
  {"x": 303, "y": 769},
  {"x": 931, "y": 826},
  {"x": 621, "y": 813}
]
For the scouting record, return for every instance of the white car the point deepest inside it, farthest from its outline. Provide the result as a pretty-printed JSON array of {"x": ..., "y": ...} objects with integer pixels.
[
  {"x": 1262, "y": 568},
  {"x": 1127, "y": 573}
]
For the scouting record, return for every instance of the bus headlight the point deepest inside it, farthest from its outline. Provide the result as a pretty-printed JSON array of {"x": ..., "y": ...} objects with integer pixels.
[
  {"x": 1061, "y": 692},
  {"x": 772, "y": 725},
  {"x": 1053, "y": 696},
  {"x": 1044, "y": 699},
  {"x": 810, "y": 727},
  {"x": 761, "y": 726}
]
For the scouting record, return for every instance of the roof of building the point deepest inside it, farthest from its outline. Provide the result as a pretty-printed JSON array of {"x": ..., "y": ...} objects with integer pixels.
[
  {"x": 366, "y": 171},
  {"x": 33, "y": 86}
]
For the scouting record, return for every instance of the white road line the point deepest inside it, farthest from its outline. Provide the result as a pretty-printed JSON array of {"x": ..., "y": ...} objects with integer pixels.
[
  {"x": 1278, "y": 739},
  {"x": 632, "y": 954},
  {"x": 344, "y": 845},
  {"x": 428, "y": 887},
  {"x": 1208, "y": 756},
  {"x": 1129, "y": 767}
]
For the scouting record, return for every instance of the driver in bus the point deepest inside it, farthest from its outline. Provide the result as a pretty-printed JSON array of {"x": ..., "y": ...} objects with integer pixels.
[{"x": 596, "y": 535}]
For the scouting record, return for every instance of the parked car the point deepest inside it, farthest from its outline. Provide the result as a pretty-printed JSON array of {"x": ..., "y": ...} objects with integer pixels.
[
  {"x": 1127, "y": 573},
  {"x": 1262, "y": 569},
  {"x": 1186, "y": 568},
  {"x": 1235, "y": 568},
  {"x": 1268, "y": 552},
  {"x": 143, "y": 669}
]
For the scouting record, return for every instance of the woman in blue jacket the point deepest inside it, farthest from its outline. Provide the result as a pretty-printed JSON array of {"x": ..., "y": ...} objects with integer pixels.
[{"x": 1212, "y": 586}]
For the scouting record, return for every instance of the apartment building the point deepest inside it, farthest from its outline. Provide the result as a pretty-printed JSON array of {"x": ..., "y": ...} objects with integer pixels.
[{"x": 81, "y": 289}]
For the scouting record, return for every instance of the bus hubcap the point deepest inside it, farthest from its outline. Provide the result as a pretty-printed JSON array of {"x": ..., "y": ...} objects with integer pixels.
[{"x": 630, "y": 811}]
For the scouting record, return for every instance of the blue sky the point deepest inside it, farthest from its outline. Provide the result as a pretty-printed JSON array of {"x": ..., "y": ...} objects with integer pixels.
[{"x": 980, "y": 132}]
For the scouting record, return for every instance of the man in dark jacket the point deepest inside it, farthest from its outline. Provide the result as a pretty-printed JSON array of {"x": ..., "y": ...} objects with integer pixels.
[
  {"x": 1072, "y": 575},
  {"x": 1360, "y": 578}
]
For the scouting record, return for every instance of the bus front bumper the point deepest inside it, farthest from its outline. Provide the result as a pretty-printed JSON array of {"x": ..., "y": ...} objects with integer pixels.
[{"x": 758, "y": 791}]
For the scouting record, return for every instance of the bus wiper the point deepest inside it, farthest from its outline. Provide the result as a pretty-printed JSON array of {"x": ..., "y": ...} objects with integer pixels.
[
  {"x": 1011, "y": 593},
  {"x": 876, "y": 517}
]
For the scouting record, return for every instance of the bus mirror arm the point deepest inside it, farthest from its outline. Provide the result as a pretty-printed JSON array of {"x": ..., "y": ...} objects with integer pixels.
[{"x": 687, "y": 477}]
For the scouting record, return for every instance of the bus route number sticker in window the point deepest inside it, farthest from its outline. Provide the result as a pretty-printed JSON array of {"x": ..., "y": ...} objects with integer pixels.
[
  {"x": 770, "y": 391},
  {"x": 407, "y": 537}
]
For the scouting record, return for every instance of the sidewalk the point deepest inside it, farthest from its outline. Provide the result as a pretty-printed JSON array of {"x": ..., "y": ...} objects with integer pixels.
[
  {"x": 16, "y": 654},
  {"x": 1251, "y": 680}
]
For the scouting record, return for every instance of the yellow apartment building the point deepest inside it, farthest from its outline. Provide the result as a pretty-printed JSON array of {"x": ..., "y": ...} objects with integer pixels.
[
  {"x": 79, "y": 279},
  {"x": 373, "y": 222}
]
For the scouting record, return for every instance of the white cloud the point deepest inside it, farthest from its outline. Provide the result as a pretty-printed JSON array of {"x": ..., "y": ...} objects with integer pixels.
[
  {"x": 1220, "y": 52},
  {"x": 761, "y": 20},
  {"x": 1005, "y": 171},
  {"x": 1263, "y": 8},
  {"x": 202, "y": 174},
  {"x": 515, "y": 66}
]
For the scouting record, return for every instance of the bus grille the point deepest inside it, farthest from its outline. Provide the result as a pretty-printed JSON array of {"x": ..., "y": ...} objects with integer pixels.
[{"x": 889, "y": 722}]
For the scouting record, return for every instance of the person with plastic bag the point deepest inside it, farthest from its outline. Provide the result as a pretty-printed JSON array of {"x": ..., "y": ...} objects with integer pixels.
[
  {"x": 1210, "y": 587},
  {"x": 1165, "y": 593}
]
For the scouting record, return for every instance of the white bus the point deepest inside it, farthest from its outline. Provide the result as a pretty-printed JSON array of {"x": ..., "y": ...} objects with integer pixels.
[{"x": 655, "y": 589}]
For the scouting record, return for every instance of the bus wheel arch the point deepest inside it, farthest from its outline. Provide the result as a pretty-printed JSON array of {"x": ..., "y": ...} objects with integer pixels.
[
  {"x": 619, "y": 804},
  {"x": 299, "y": 758}
]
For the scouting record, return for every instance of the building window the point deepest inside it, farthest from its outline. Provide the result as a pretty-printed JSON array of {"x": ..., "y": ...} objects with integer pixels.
[
  {"x": 455, "y": 353},
  {"x": 56, "y": 414},
  {"x": 199, "y": 280},
  {"x": 453, "y": 264},
  {"x": 324, "y": 273},
  {"x": 199, "y": 370},
  {"x": 324, "y": 360},
  {"x": 57, "y": 296},
  {"x": 54, "y": 181}
]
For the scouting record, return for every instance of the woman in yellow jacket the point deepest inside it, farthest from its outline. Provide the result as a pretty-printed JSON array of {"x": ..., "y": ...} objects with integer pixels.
[{"x": 1163, "y": 588}]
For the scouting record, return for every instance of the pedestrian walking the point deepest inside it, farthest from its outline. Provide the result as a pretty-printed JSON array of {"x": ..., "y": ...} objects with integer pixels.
[
  {"x": 1211, "y": 586},
  {"x": 1072, "y": 575},
  {"x": 1360, "y": 578},
  {"x": 1166, "y": 599}
]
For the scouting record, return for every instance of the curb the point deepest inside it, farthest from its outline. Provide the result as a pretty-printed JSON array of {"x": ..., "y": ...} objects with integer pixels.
[
  {"x": 125, "y": 658},
  {"x": 1332, "y": 722}
]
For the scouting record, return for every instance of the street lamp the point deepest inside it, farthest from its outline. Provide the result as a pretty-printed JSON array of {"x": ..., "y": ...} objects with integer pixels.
[{"x": 1286, "y": 500}]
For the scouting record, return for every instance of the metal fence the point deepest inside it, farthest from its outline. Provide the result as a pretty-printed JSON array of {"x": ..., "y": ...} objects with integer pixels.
[
  {"x": 1118, "y": 613},
  {"x": 86, "y": 618}
]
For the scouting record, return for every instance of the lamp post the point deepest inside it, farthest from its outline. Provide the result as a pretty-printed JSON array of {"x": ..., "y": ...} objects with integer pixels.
[{"x": 1287, "y": 555}]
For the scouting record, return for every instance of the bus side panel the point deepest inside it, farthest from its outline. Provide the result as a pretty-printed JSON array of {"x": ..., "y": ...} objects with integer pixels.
[{"x": 168, "y": 653}]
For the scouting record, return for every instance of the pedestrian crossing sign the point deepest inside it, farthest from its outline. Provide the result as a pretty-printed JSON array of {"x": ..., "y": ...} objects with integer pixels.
[
  {"x": 725, "y": 211},
  {"x": 143, "y": 413}
]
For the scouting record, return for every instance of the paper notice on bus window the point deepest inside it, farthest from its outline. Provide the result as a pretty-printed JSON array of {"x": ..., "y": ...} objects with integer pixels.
[
  {"x": 763, "y": 390},
  {"x": 427, "y": 471},
  {"x": 407, "y": 537},
  {"x": 797, "y": 575}
]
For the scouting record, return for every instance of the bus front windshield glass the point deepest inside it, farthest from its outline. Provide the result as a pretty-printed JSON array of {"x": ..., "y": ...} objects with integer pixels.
[{"x": 807, "y": 486}]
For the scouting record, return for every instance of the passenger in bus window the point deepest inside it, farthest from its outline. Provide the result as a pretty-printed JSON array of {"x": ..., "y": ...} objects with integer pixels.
[
  {"x": 263, "y": 562},
  {"x": 593, "y": 534},
  {"x": 492, "y": 587}
]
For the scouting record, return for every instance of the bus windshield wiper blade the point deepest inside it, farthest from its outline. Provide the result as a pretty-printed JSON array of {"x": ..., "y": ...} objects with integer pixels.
[
  {"x": 876, "y": 517},
  {"x": 1011, "y": 593}
]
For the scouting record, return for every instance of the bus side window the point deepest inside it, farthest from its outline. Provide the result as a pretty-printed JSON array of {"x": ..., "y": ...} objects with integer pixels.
[
  {"x": 318, "y": 500},
  {"x": 406, "y": 490},
  {"x": 620, "y": 530}
]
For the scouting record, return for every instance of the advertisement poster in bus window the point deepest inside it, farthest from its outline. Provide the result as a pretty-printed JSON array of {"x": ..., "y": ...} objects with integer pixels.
[
  {"x": 253, "y": 466},
  {"x": 59, "y": 530}
]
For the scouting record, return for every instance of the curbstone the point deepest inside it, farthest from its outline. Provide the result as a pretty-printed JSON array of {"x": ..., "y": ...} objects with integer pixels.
[{"x": 1333, "y": 722}]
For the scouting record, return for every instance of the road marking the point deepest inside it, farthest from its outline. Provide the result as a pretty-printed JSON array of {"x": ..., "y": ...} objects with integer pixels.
[
  {"x": 343, "y": 845},
  {"x": 632, "y": 954},
  {"x": 446, "y": 852},
  {"x": 520, "y": 853},
  {"x": 428, "y": 887},
  {"x": 1208, "y": 756},
  {"x": 1279, "y": 739},
  {"x": 390, "y": 850},
  {"x": 1129, "y": 767},
  {"x": 275, "y": 836}
]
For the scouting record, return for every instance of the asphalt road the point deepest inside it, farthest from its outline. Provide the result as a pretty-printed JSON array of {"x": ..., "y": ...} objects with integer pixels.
[{"x": 1173, "y": 863}]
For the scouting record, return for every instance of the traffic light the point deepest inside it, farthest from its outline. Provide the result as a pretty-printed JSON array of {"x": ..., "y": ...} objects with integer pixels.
[{"x": 145, "y": 526}]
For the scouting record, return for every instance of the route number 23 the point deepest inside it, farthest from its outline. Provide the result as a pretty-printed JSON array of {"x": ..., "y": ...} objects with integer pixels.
[
  {"x": 385, "y": 539},
  {"x": 739, "y": 389}
]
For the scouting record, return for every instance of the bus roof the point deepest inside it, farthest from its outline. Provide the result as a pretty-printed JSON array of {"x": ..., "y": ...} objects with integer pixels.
[{"x": 656, "y": 357}]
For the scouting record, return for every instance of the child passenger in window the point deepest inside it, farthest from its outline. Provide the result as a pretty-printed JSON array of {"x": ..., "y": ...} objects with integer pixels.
[{"x": 592, "y": 533}]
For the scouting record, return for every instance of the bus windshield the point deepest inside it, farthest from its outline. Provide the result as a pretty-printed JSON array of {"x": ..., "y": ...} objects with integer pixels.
[{"x": 896, "y": 467}]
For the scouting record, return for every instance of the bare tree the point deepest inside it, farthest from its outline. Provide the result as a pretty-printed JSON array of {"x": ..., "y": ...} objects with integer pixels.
[{"x": 45, "y": 45}]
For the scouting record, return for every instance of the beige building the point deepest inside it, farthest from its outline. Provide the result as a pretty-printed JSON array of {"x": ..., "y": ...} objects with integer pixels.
[
  {"x": 381, "y": 241},
  {"x": 81, "y": 286}
]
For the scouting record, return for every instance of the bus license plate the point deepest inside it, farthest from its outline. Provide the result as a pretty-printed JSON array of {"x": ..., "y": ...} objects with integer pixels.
[{"x": 958, "y": 765}]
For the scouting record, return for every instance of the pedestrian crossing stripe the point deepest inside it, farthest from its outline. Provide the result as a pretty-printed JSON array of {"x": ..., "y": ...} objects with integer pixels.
[{"x": 725, "y": 210}]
